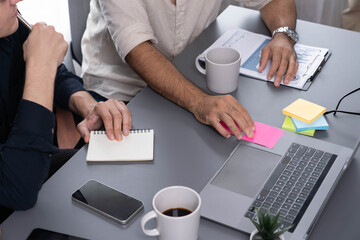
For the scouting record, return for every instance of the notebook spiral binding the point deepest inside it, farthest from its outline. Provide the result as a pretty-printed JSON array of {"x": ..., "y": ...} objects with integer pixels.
[{"x": 99, "y": 132}]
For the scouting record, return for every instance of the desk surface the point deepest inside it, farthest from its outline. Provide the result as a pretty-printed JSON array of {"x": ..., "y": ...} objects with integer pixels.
[{"x": 189, "y": 153}]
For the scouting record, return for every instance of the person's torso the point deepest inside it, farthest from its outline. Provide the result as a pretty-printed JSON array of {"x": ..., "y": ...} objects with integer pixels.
[
  {"x": 173, "y": 26},
  {"x": 12, "y": 77}
]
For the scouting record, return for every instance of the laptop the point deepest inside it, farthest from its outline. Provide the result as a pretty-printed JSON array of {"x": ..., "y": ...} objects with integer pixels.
[{"x": 295, "y": 178}]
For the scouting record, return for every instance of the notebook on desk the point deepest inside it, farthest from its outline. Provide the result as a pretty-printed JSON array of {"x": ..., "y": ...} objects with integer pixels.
[
  {"x": 296, "y": 178},
  {"x": 138, "y": 146}
]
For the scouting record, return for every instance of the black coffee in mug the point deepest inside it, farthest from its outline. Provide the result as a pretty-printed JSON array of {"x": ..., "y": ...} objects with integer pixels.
[{"x": 177, "y": 212}]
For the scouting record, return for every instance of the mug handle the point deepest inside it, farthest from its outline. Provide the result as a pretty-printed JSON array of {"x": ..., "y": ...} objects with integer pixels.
[
  {"x": 197, "y": 64},
  {"x": 144, "y": 220}
]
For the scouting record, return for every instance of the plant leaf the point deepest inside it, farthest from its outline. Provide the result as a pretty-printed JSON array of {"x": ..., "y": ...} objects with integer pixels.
[{"x": 258, "y": 227}]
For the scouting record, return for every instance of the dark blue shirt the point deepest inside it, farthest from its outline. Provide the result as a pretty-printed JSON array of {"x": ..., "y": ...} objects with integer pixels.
[{"x": 26, "y": 128}]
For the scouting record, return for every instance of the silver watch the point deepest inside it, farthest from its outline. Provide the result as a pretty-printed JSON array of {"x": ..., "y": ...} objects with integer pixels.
[{"x": 289, "y": 31}]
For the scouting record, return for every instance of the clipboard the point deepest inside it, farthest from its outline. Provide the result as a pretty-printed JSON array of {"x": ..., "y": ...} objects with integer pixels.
[
  {"x": 311, "y": 59},
  {"x": 315, "y": 71}
]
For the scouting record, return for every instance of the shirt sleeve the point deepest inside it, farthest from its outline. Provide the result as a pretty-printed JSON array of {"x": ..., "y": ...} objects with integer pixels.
[
  {"x": 128, "y": 24},
  {"x": 254, "y": 4},
  {"x": 66, "y": 84},
  {"x": 25, "y": 156}
]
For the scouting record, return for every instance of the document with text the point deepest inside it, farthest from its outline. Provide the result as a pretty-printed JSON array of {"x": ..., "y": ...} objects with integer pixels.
[{"x": 249, "y": 44}]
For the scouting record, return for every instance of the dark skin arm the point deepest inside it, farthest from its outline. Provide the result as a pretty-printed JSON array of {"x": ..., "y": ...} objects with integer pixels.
[
  {"x": 164, "y": 78},
  {"x": 279, "y": 13}
]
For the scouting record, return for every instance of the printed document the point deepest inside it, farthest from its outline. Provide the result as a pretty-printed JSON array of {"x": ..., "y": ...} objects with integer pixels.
[{"x": 250, "y": 44}]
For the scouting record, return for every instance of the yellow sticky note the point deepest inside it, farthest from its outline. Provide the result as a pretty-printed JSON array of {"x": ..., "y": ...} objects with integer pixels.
[
  {"x": 304, "y": 110},
  {"x": 289, "y": 126}
]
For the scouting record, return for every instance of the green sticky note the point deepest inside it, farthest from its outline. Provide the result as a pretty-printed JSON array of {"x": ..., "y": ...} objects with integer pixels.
[
  {"x": 289, "y": 126},
  {"x": 304, "y": 110}
]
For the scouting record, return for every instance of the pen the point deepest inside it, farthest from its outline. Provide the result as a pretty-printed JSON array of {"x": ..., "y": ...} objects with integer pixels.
[{"x": 23, "y": 21}]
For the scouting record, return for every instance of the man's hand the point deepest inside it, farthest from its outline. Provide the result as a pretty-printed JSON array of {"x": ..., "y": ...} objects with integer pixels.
[
  {"x": 284, "y": 60},
  {"x": 112, "y": 114},
  {"x": 211, "y": 110},
  {"x": 44, "y": 51},
  {"x": 280, "y": 49},
  {"x": 45, "y": 46},
  {"x": 163, "y": 77}
]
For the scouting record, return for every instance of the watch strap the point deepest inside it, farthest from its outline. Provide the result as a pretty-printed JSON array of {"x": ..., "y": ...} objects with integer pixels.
[{"x": 288, "y": 31}]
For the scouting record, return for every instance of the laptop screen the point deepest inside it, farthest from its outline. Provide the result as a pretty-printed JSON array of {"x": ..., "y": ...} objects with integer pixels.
[{"x": 246, "y": 171}]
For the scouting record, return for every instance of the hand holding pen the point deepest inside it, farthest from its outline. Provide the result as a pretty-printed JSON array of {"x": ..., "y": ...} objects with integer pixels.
[{"x": 44, "y": 44}]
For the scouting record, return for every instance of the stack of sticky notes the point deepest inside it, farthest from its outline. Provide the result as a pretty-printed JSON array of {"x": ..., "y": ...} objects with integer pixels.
[{"x": 304, "y": 117}]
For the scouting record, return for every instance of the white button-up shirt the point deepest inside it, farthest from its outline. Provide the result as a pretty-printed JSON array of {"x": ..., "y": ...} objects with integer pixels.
[{"x": 115, "y": 27}]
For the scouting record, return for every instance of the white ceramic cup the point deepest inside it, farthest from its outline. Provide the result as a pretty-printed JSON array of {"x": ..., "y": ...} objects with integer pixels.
[
  {"x": 170, "y": 227},
  {"x": 222, "y": 69}
]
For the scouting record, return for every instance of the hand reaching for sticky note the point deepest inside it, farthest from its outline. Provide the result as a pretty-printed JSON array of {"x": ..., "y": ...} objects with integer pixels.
[{"x": 264, "y": 135}]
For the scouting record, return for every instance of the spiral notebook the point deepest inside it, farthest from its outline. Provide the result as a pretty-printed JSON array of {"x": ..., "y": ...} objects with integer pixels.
[{"x": 138, "y": 146}]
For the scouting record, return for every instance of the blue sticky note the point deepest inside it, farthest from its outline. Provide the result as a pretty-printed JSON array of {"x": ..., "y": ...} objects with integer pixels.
[{"x": 319, "y": 124}]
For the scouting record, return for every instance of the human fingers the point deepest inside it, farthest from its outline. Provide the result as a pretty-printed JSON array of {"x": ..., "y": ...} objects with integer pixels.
[
  {"x": 220, "y": 128},
  {"x": 102, "y": 110},
  {"x": 245, "y": 122},
  {"x": 265, "y": 55},
  {"x": 84, "y": 131},
  {"x": 116, "y": 119},
  {"x": 276, "y": 60},
  {"x": 292, "y": 69},
  {"x": 126, "y": 117},
  {"x": 238, "y": 117},
  {"x": 232, "y": 126},
  {"x": 281, "y": 71},
  {"x": 45, "y": 46}
]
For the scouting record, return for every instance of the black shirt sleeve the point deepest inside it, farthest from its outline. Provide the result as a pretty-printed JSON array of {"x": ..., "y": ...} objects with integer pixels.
[
  {"x": 66, "y": 84},
  {"x": 27, "y": 129},
  {"x": 25, "y": 156}
]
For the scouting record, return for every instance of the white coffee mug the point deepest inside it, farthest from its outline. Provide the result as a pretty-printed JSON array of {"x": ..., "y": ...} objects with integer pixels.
[
  {"x": 222, "y": 69},
  {"x": 169, "y": 227}
]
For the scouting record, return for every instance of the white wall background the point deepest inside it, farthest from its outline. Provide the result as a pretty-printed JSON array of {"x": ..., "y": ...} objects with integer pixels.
[
  {"x": 326, "y": 12},
  {"x": 55, "y": 12}
]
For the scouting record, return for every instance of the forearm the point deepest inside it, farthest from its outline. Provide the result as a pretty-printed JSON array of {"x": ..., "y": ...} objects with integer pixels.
[
  {"x": 22, "y": 175},
  {"x": 82, "y": 103},
  {"x": 279, "y": 13},
  {"x": 39, "y": 84},
  {"x": 25, "y": 156},
  {"x": 161, "y": 75},
  {"x": 66, "y": 84}
]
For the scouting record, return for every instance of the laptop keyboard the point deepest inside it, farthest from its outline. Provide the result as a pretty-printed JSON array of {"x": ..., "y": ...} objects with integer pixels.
[{"x": 293, "y": 184}]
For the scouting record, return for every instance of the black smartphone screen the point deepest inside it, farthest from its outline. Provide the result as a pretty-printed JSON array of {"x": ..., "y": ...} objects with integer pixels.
[
  {"x": 108, "y": 201},
  {"x": 42, "y": 234}
]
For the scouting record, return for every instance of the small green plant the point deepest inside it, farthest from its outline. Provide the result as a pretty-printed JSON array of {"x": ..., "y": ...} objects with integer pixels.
[{"x": 267, "y": 226}]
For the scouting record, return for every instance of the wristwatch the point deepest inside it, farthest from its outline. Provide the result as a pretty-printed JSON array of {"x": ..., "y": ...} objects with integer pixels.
[{"x": 289, "y": 31}]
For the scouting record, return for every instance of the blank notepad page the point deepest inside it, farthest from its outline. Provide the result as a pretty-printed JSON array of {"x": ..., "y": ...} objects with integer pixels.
[{"x": 138, "y": 146}]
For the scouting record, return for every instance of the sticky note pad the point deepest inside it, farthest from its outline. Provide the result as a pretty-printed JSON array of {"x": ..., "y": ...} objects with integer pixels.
[
  {"x": 319, "y": 124},
  {"x": 304, "y": 110},
  {"x": 265, "y": 135},
  {"x": 289, "y": 126}
]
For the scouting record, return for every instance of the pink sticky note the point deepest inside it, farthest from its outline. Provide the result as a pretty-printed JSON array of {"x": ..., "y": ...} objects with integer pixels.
[{"x": 264, "y": 135}]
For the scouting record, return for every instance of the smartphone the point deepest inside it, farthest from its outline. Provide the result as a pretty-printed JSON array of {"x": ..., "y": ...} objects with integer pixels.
[
  {"x": 42, "y": 234},
  {"x": 107, "y": 201}
]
